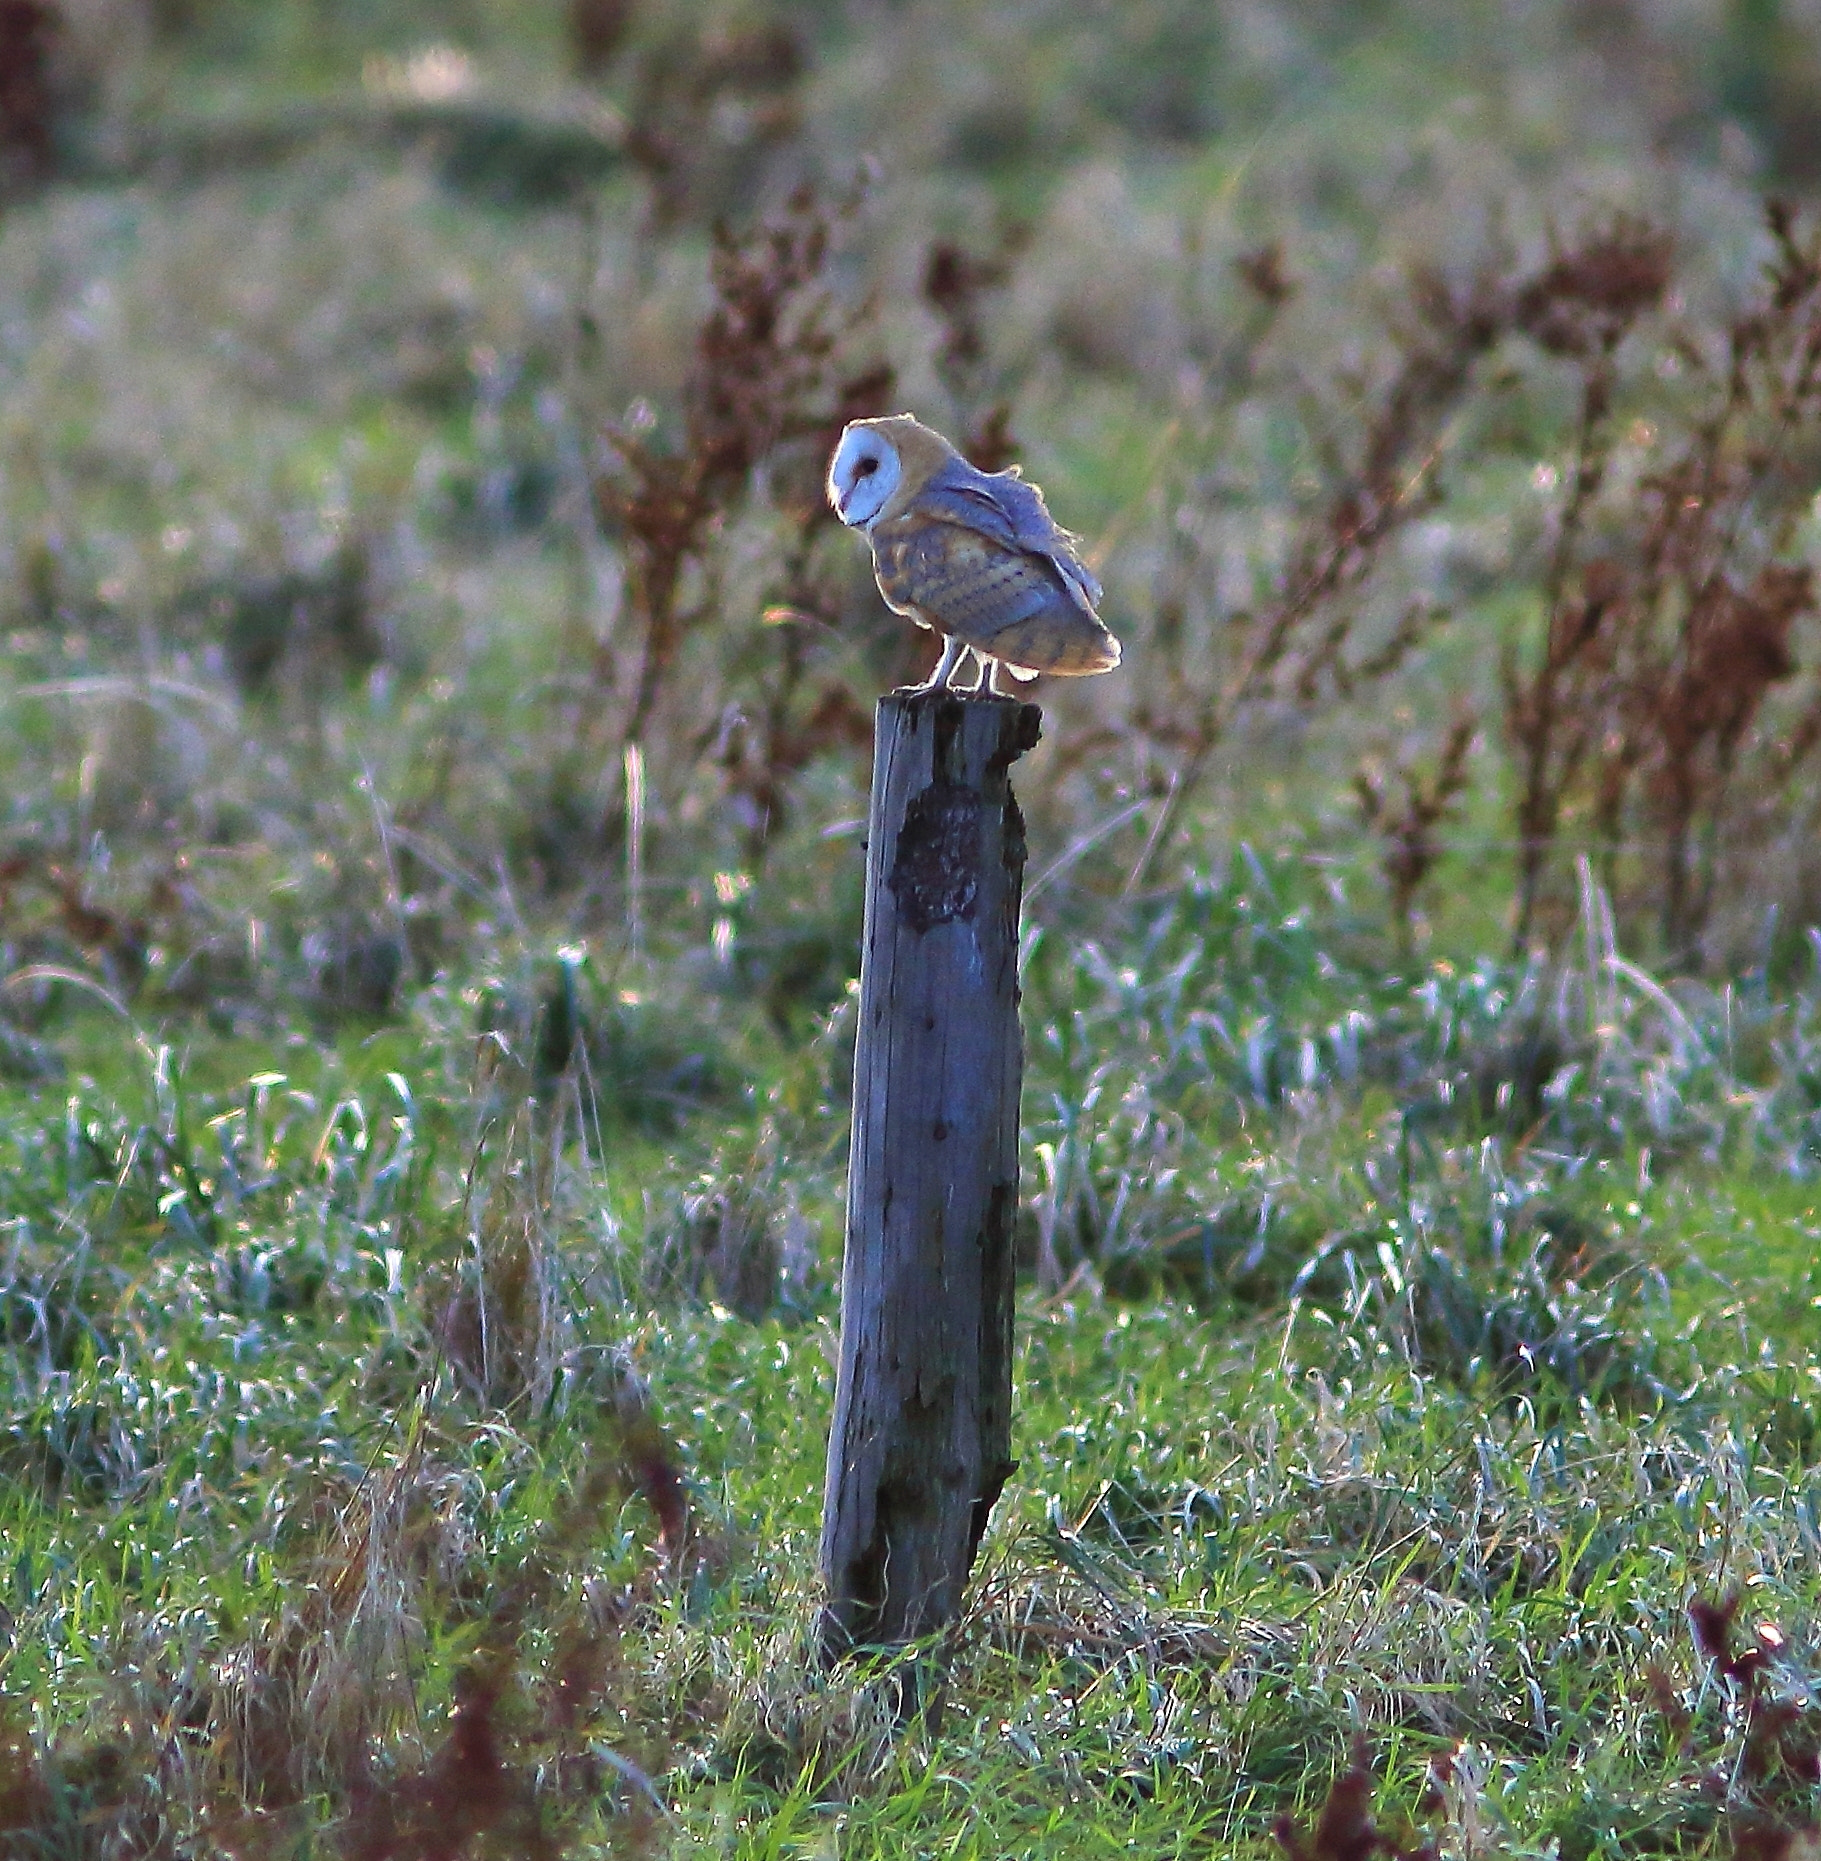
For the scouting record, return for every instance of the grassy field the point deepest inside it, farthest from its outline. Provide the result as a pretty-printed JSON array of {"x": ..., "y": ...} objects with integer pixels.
[{"x": 437, "y": 733}]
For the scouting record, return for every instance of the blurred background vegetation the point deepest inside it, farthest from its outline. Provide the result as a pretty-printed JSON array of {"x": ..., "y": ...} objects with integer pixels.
[
  {"x": 413, "y": 419},
  {"x": 438, "y": 715}
]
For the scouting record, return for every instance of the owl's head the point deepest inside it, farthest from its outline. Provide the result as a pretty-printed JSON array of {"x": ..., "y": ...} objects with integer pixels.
[{"x": 881, "y": 463}]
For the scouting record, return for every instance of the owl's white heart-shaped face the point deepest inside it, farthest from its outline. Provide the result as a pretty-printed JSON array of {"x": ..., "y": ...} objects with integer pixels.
[{"x": 863, "y": 474}]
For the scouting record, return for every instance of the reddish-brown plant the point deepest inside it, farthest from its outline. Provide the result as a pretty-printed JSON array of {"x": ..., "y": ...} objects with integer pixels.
[
  {"x": 597, "y": 31},
  {"x": 1760, "y": 1776},
  {"x": 1294, "y": 645},
  {"x": 781, "y": 363},
  {"x": 28, "y": 104},
  {"x": 48, "y": 914},
  {"x": 1671, "y": 600},
  {"x": 770, "y": 371},
  {"x": 1407, "y": 830},
  {"x": 1345, "y": 1830}
]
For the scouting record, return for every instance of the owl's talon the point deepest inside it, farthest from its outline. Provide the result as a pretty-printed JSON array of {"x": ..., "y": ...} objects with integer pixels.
[{"x": 944, "y": 674}]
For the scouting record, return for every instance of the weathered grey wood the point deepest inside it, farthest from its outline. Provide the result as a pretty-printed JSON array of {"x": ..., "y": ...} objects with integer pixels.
[{"x": 921, "y": 1442}]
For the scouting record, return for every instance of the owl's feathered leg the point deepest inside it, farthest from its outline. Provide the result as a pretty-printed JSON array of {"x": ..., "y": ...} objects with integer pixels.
[{"x": 952, "y": 649}]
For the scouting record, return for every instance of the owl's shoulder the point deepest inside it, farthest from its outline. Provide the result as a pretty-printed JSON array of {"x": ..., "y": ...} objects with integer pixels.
[{"x": 920, "y": 535}]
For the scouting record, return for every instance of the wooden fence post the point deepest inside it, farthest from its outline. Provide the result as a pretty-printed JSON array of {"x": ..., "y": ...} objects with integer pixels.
[{"x": 921, "y": 1442}]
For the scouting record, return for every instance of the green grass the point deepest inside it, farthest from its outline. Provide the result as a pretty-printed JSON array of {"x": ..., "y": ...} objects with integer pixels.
[{"x": 1442, "y": 1424}]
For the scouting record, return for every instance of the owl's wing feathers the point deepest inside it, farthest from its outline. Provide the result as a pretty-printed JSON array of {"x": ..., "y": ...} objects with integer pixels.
[
  {"x": 959, "y": 579},
  {"x": 1011, "y": 603},
  {"x": 978, "y": 556},
  {"x": 1000, "y": 505}
]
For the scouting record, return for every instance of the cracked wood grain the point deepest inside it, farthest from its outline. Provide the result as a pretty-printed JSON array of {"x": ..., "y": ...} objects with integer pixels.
[{"x": 921, "y": 1442}]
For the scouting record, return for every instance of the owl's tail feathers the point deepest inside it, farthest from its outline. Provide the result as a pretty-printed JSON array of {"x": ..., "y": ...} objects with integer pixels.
[{"x": 1059, "y": 642}]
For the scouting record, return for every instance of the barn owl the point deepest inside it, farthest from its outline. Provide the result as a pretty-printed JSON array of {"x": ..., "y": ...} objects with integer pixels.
[{"x": 973, "y": 555}]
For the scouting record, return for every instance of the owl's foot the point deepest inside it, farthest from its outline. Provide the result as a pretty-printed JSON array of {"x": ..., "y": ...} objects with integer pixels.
[
  {"x": 986, "y": 677},
  {"x": 983, "y": 674},
  {"x": 986, "y": 672},
  {"x": 944, "y": 674}
]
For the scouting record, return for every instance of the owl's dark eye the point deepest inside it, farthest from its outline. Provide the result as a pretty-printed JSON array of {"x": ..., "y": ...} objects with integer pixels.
[{"x": 866, "y": 468}]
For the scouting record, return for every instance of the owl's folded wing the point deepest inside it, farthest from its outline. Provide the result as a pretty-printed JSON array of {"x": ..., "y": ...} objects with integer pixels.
[
  {"x": 1000, "y": 505},
  {"x": 960, "y": 580},
  {"x": 1011, "y": 603}
]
